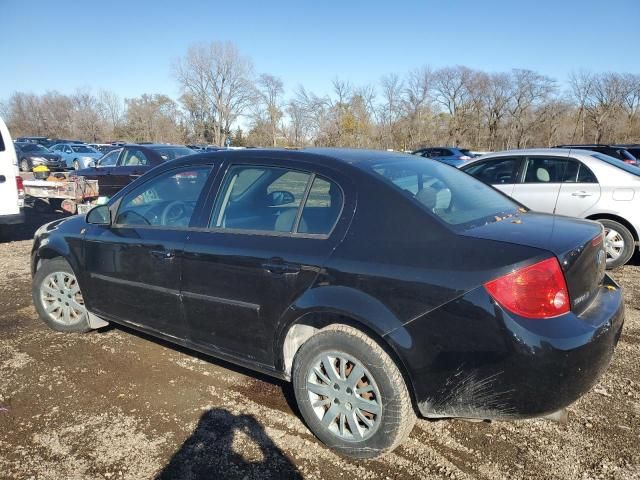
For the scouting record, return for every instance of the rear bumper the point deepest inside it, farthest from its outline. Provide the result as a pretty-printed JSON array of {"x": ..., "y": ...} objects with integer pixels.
[
  {"x": 490, "y": 364},
  {"x": 12, "y": 219}
]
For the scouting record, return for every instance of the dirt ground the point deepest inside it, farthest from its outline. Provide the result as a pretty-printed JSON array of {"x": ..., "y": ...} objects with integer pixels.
[{"x": 114, "y": 404}]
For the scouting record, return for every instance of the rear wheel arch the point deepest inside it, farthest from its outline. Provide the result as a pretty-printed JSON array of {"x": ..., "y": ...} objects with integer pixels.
[
  {"x": 310, "y": 324},
  {"x": 615, "y": 218}
]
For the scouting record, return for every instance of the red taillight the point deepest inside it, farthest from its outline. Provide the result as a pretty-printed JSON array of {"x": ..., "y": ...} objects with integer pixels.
[
  {"x": 20, "y": 186},
  {"x": 537, "y": 291}
]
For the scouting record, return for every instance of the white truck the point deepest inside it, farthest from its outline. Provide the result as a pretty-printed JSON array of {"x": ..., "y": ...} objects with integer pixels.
[{"x": 11, "y": 187}]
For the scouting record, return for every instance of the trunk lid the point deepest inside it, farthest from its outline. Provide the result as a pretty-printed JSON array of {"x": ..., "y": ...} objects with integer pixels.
[{"x": 578, "y": 245}]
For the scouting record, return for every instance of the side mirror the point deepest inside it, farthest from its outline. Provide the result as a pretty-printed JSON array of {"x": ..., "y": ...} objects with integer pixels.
[
  {"x": 280, "y": 197},
  {"x": 100, "y": 215}
]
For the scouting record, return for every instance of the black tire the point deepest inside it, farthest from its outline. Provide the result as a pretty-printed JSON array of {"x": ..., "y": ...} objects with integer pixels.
[
  {"x": 48, "y": 267},
  {"x": 25, "y": 165},
  {"x": 396, "y": 418},
  {"x": 627, "y": 238}
]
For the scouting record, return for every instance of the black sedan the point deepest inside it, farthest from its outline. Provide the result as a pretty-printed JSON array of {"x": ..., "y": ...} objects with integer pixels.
[
  {"x": 32, "y": 155},
  {"x": 380, "y": 284},
  {"x": 121, "y": 166}
]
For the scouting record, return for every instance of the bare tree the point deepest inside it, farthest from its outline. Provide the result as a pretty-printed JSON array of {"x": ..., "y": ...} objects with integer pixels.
[
  {"x": 530, "y": 90},
  {"x": 220, "y": 82},
  {"x": 270, "y": 92},
  {"x": 451, "y": 90}
]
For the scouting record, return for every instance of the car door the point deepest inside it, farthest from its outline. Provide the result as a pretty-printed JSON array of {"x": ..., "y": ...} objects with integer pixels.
[
  {"x": 133, "y": 164},
  {"x": 580, "y": 190},
  {"x": 541, "y": 180},
  {"x": 132, "y": 267},
  {"x": 272, "y": 227},
  {"x": 502, "y": 172},
  {"x": 67, "y": 154},
  {"x": 103, "y": 172}
]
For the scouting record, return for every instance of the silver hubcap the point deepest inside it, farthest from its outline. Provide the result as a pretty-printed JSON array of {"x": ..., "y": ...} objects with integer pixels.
[
  {"x": 61, "y": 298},
  {"x": 613, "y": 244},
  {"x": 344, "y": 396}
]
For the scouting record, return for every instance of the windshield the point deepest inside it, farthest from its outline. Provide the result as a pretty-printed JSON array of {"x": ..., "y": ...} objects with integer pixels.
[
  {"x": 617, "y": 163},
  {"x": 453, "y": 196},
  {"x": 171, "y": 153},
  {"x": 83, "y": 149},
  {"x": 33, "y": 147}
]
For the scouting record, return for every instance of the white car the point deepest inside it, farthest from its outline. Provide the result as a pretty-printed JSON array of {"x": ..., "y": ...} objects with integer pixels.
[
  {"x": 11, "y": 189},
  {"x": 571, "y": 182},
  {"x": 76, "y": 155}
]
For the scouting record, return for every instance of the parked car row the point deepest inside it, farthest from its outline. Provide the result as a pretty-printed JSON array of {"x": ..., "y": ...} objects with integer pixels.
[
  {"x": 121, "y": 166},
  {"x": 381, "y": 284}
]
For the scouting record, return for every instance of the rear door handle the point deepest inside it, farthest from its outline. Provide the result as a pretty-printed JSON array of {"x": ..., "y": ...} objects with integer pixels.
[
  {"x": 278, "y": 266},
  {"x": 163, "y": 254},
  {"x": 582, "y": 193}
]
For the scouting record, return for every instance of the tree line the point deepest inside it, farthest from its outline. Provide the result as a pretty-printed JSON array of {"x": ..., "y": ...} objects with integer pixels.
[{"x": 455, "y": 106}]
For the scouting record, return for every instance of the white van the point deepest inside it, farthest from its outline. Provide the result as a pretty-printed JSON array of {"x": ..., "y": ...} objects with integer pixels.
[{"x": 11, "y": 189}]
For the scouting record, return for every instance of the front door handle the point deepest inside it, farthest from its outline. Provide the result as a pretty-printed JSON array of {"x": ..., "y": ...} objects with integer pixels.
[
  {"x": 582, "y": 193},
  {"x": 163, "y": 254},
  {"x": 277, "y": 266}
]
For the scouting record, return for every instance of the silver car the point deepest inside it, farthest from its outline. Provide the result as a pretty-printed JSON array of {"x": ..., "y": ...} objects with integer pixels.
[
  {"x": 576, "y": 183},
  {"x": 76, "y": 155}
]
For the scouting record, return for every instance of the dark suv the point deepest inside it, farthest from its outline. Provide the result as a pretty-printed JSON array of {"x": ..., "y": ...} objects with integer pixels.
[
  {"x": 449, "y": 155},
  {"x": 616, "y": 151}
]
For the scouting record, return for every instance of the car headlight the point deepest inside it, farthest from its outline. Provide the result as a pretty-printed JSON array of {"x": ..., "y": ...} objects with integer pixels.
[{"x": 38, "y": 159}]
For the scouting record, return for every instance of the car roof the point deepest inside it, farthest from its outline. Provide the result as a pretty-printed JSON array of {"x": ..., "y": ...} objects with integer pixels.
[
  {"x": 330, "y": 157},
  {"x": 153, "y": 145}
]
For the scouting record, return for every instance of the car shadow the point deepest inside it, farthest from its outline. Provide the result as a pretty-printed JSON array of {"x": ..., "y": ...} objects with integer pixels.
[
  {"x": 285, "y": 387},
  {"x": 228, "y": 446}
]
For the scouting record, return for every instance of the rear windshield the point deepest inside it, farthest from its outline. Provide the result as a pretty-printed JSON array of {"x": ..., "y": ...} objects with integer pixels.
[
  {"x": 453, "y": 196},
  {"x": 617, "y": 163},
  {"x": 82, "y": 149},
  {"x": 33, "y": 147},
  {"x": 171, "y": 153}
]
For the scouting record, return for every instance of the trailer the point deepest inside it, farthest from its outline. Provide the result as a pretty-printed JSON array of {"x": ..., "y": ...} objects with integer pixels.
[{"x": 73, "y": 194}]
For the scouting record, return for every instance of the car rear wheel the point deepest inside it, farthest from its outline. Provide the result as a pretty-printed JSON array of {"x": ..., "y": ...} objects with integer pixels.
[
  {"x": 57, "y": 297},
  {"x": 24, "y": 165},
  {"x": 76, "y": 165},
  {"x": 618, "y": 243},
  {"x": 351, "y": 393}
]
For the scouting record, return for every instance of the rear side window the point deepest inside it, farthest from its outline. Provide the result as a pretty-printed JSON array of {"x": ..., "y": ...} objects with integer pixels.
[
  {"x": 322, "y": 207},
  {"x": 275, "y": 199},
  {"x": 455, "y": 198},
  {"x": 496, "y": 172},
  {"x": 260, "y": 199},
  {"x": 133, "y": 158},
  {"x": 544, "y": 170},
  {"x": 577, "y": 172}
]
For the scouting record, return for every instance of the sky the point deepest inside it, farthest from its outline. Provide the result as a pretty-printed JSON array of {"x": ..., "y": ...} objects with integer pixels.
[{"x": 129, "y": 46}]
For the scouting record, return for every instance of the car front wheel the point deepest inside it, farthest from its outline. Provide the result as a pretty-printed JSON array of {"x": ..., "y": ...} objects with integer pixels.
[
  {"x": 76, "y": 165},
  {"x": 24, "y": 165},
  {"x": 57, "y": 297},
  {"x": 351, "y": 393}
]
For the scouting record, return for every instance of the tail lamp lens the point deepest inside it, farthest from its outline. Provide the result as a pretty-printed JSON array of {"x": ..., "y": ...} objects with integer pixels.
[
  {"x": 20, "y": 186},
  {"x": 538, "y": 291}
]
